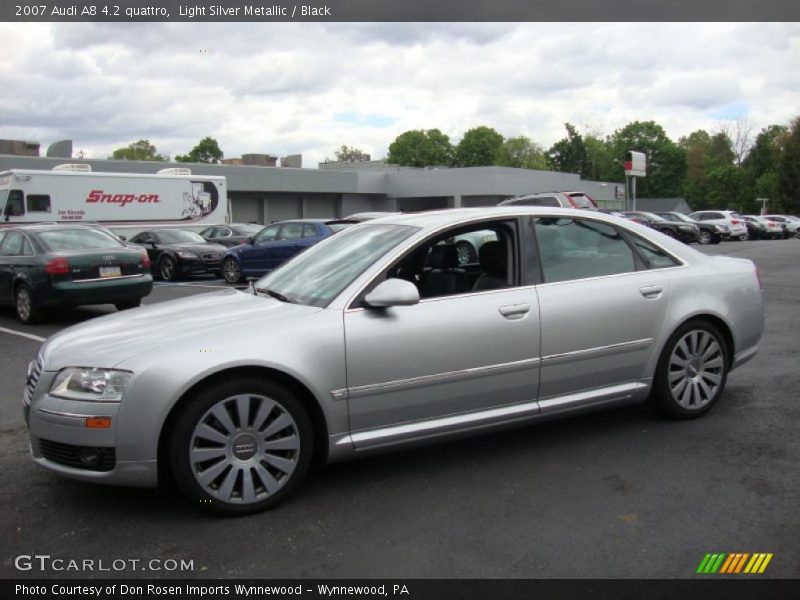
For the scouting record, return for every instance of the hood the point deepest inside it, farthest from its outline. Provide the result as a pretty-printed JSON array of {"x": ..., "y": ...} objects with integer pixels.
[
  {"x": 108, "y": 341},
  {"x": 198, "y": 247}
]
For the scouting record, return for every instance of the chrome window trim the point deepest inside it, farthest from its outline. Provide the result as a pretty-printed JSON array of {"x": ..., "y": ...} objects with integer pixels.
[{"x": 454, "y": 296}]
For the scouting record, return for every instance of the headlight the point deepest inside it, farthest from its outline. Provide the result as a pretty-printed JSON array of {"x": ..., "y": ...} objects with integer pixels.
[
  {"x": 685, "y": 227},
  {"x": 84, "y": 383},
  {"x": 184, "y": 254}
]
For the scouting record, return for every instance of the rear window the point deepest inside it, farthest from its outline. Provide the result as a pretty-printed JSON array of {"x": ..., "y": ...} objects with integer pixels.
[
  {"x": 338, "y": 225},
  {"x": 582, "y": 201},
  {"x": 77, "y": 239}
]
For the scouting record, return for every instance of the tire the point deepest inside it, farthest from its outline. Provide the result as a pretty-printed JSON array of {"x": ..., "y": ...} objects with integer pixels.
[
  {"x": 743, "y": 238},
  {"x": 716, "y": 239},
  {"x": 705, "y": 237},
  {"x": 231, "y": 272},
  {"x": 168, "y": 268},
  {"x": 668, "y": 232},
  {"x": 691, "y": 372},
  {"x": 466, "y": 253},
  {"x": 23, "y": 304},
  {"x": 128, "y": 304},
  {"x": 218, "y": 447}
]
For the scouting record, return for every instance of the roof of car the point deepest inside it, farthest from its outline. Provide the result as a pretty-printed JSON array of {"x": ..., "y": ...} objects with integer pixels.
[{"x": 435, "y": 218}]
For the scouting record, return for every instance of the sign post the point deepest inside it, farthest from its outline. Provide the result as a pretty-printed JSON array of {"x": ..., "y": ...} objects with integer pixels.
[{"x": 635, "y": 166}]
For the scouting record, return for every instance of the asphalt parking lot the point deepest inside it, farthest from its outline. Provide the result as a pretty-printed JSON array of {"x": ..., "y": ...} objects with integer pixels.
[{"x": 621, "y": 493}]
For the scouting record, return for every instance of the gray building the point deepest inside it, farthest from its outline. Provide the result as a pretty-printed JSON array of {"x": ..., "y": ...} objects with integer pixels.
[{"x": 267, "y": 194}]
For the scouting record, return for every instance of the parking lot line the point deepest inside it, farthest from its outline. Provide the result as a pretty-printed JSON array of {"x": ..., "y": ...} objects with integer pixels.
[{"x": 38, "y": 338}]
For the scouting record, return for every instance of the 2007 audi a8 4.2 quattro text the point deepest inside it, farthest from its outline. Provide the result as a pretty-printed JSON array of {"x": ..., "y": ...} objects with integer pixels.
[{"x": 380, "y": 337}]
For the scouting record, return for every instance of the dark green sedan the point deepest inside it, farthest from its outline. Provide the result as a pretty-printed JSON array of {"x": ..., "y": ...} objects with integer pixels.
[{"x": 49, "y": 266}]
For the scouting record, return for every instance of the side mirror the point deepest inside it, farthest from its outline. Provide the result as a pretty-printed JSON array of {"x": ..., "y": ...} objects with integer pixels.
[
  {"x": 393, "y": 292},
  {"x": 123, "y": 238},
  {"x": 251, "y": 240}
]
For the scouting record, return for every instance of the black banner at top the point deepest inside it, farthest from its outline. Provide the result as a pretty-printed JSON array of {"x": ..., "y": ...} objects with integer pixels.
[{"x": 398, "y": 10}]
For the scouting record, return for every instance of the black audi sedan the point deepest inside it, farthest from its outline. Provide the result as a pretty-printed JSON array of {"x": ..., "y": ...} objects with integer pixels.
[
  {"x": 230, "y": 234},
  {"x": 43, "y": 267},
  {"x": 685, "y": 232},
  {"x": 178, "y": 252}
]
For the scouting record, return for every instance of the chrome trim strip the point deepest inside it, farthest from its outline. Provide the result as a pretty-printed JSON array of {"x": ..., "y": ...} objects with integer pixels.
[
  {"x": 339, "y": 394},
  {"x": 744, "y": 356},
  {"x": 66, "y": 414},
  {"x": 611, "y": 393},
  {"x": 107, "y": 278},
  {"x": 452, "y": 423},
  {"x": 493, "y": 416},
  {"x": 438, "y": 378},
  {"x": 554, "y": 359}
]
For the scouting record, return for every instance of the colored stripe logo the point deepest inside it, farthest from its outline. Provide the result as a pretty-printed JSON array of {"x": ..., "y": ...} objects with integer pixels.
[{"x": 737, "y": 562}]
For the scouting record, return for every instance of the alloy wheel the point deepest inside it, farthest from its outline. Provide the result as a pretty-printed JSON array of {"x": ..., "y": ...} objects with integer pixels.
[
  {"x": 23, "y": 304},
  {"x": 230, "y": 271},
  {"x": 704, "y": 237},
  {"x": 167, "y": 269},
  {"x": 244, "y": 449},
  {"x": 696, "y": 369}
]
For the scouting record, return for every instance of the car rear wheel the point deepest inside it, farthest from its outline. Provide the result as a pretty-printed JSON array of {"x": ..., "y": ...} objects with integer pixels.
[
  {"x": 231, "y": 271},
  {"x": 128, "y": 304},
  {"x": 743, "y": 238},
  {"x": 704, "y": 237},
  {"x": 241, "y": 446},
  {"x": 168, "y": 268},
  {"x": 691, "y": 372},
  {"x": 23, "y": 303}
]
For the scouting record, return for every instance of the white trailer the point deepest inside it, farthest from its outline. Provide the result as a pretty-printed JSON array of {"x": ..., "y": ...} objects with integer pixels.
[{"x": 125, "y": 202}]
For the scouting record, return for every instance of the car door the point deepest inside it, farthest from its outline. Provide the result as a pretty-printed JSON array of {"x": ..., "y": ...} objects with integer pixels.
[
  {"x": 602, "y": 305},
  {"x": 16, "y": 256},
  {"x": 289, "y": 243},
  {"x": 255, "y": 257},
  {"x": 453, "y": 361}
]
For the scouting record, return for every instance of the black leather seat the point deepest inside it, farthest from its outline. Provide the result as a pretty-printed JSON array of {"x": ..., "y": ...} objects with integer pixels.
[
  {"x": 445, "y": 277},
  {"x": 493, "y": 258}
]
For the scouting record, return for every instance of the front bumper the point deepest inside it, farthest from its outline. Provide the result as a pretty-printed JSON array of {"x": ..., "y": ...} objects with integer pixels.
[
  {"x": 59, "y": 437},
  {"x": 201, "y": 265}
]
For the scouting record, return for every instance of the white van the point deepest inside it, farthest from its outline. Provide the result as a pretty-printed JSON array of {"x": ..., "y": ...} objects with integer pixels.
[{"x": 126, "y": 202}]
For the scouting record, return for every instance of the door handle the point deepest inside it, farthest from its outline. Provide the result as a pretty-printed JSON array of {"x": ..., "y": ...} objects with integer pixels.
[
  {"x": 514, "y": 311},
  {"x": 651, "y": 291}
]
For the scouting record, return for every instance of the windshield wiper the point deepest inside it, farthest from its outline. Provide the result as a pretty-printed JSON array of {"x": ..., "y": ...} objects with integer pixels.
[{"x": 276, "y": 295}]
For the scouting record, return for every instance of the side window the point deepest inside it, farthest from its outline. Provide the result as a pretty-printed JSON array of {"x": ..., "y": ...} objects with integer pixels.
[
  {"x": 309, "y": 230},
  {"x": 580, "y": 248},
  {"x": 209, "y": 232},
  {"x": 14, "y": 205},
  {"x": 654, "y": 257},
  {"x": 2, "y": 235},
  {"x": 544, "y": 201},
  {"x": 268, "y": 234},
  {"x": 291, "y": 231},
  {"x": 463, "y": 260},
  {"x": 38, "y": 203},
  {"x": 12, "y": 244},
  {"x": 27, "y": 249},
  {"x": 714, "y": 215}
]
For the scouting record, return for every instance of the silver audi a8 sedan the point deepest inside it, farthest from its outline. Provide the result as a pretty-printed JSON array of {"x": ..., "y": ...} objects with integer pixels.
[{"x": 379, "y": 337}]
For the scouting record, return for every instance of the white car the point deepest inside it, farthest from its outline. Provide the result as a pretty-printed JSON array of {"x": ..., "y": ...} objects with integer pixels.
[
  {"x": 772, "y": 228},
  {"x": 792, "y": 223},
  {"x": 731, "y": 219}
]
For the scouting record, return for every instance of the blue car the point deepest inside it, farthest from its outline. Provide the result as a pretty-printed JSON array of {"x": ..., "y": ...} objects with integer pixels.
[{"x": 274, "y": 245}]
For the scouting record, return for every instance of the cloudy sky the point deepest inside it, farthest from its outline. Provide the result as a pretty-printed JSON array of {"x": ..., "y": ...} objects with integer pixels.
[{"x": 311, "y": 87}]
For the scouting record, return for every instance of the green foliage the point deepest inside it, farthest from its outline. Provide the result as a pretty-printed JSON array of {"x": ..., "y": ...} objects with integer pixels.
[
  {"x": 522, "y": 153},
  {"x": 479, "y": 147},
  {"x": 141, "y": 150},
  {"x": 789, "y": 170},
  {"x": 207, "y": 150},
  {"x": 421, "y": 148},
  {"x": 350, "y": 154},
  {"x": 568, "y": 155}
]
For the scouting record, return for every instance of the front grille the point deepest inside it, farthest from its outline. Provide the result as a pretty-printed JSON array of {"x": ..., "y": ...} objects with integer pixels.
[
  {"x": 211, "y": 257},
  {"x": 34, "y": 372},
  {"x": 69, "y": 456}
]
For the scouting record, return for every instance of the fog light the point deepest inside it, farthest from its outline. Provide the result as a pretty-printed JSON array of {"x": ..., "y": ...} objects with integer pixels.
[
  {"x": 90, "y": 457},
  {"x": 98, "y": 422}
]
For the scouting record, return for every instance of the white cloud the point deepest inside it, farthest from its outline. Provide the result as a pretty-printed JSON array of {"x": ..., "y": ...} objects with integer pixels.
[{"x": 309, "y": 88}]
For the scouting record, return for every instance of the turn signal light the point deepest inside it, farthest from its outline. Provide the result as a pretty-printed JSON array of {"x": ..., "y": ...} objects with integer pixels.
[
  {"x": 98, "y": 422},
  {"x": 57, "y": 266}
]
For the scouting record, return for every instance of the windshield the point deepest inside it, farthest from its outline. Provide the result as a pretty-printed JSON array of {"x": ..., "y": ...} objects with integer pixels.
[
  {"x": 319, "y": 274},
  {"x": 178, "y": 236},
  {"x": 676, "y": 217},
  {"x": 250, "y": 229},
  {"x": 653, "y": 216},
  {"x": 338, "y": 226},
  {"x": 78, "y": 239},
  {"x": 581, "y": 201}
]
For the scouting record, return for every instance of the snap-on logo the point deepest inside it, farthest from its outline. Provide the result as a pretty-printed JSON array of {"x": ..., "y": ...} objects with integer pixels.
[{"x": 98, "y": 196}]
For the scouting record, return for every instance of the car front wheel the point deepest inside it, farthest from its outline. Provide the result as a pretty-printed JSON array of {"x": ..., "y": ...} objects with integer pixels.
[
  {"x": 691, "y": 372},
  {"x": 231, "y": 271},
  {"x": 241, "y": 446},
  {"x": 704, "y": 237},
  {"x": 168, "y": 268},
  {"x": 23, "y": 303}
]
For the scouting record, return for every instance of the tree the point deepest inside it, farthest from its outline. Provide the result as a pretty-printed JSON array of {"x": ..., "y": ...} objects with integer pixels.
[
  {"x": 141, "y": 150},
  {"x": 765, "y": 154},
  {"x": 599, "y": 165},
  {"x": 727, "y": 188},
  {"x": 421, "y": 148},
  {"x": 479, "y": 147},
  {"x": 522, "y": 153},
  {"x": 568, "y": 155},
  {"x": 740, "y": 133},
  {"x": 695, "y": 184},
  {"x": 666, "y": 161},
  {"x": 207, "y": 150},
  {"x": 789, "y": 171},
  {"x": 720, "y": 151},
  {"x": 350, "y": 154}
]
